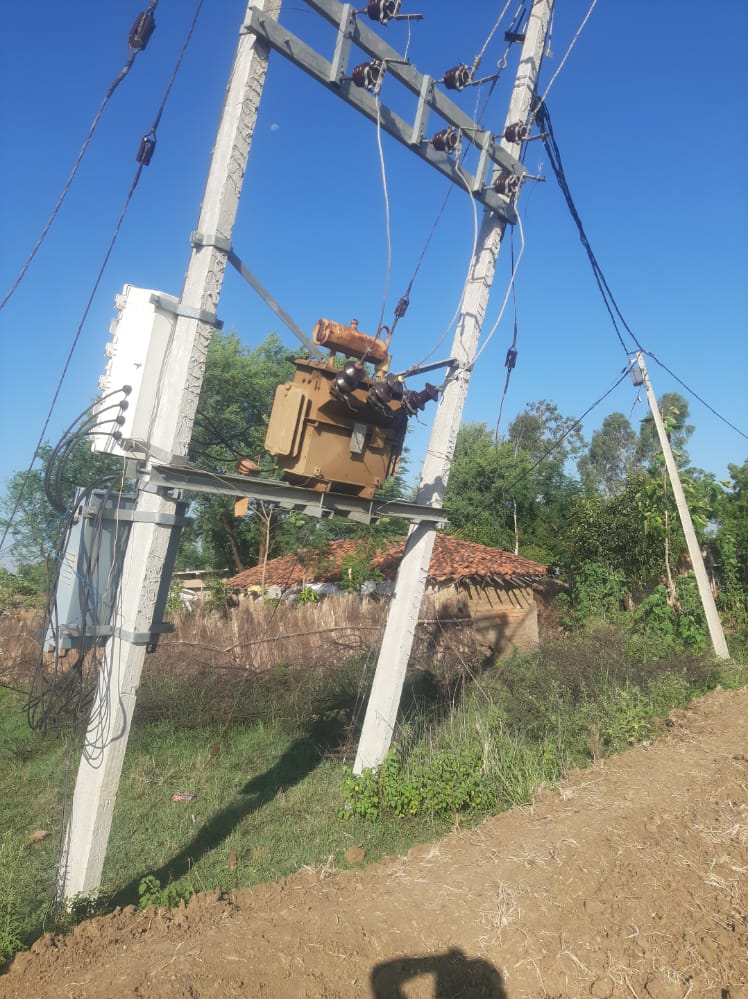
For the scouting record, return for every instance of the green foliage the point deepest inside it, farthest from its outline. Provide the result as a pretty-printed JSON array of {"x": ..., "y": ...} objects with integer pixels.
[
  {"x": 674, "y": 410},
  {"x": 36, "y": 525},
  {"x": 221, "y": 596},
  {"x": 500, "y": 494},
  {"x": 624, "y": 718},
  {"x": 307, "y": 596},
  {"x": 12, "y": 923},
  {"x": 235, "y": 402},
  {"x": 541, "y": 426},
  {"x": 681, "y": 623},
  {"x": 151, "y": 892},
  {"x": 443, "y": 782},
  {"x": 596, "y": 594},
  {"x": 356, "y": 569}
]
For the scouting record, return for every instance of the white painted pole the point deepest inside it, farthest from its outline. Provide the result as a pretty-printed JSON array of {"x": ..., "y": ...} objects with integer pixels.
[
  {"x": 381, "y": 712},
  {"x": 711, "y": 613},
  {"x": 87, "y": 836}
]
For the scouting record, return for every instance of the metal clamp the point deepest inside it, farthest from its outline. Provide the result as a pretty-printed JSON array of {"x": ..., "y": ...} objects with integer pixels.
[
  {"x": 144, "y": 517},
  {"x": 180, "y": 309},
  {"x": 216, "y": 241}
]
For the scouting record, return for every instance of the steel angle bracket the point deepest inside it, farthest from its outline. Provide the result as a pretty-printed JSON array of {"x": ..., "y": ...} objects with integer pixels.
[
  {"x": 145, "y": 517},
  {"x": 180, "y": 309},
  {"x": 71, "y": 638},
  {"x": 298, "y": 498},
  {"x": 334, "y": 75}
]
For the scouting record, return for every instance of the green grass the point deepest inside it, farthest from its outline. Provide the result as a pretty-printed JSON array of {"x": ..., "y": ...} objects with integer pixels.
[{"x": 270, "y": 787}]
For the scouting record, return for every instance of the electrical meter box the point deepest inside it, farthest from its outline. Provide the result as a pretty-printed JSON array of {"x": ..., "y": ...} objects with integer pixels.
[
  {"x": 90, "y": 571},
  {"x": 141, "y": 334},
  {"x": 328, "y": 430},
  {"x": 88, "y": 583}
]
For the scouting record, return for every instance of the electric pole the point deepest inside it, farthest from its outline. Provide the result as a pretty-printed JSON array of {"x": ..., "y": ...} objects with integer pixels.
[
  {"x": 156, "y": 518},
  {"x": 711, "y": 613},
  {"x": 384, "y": 702}
]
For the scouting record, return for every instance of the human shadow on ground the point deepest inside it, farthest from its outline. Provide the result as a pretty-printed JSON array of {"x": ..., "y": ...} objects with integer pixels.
[
  {"x": 455, "y": 974},
  {"x": 296, "y": 763}
]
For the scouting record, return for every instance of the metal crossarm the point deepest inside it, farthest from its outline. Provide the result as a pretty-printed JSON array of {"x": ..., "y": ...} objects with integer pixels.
[{"x": 334, "y": 76}]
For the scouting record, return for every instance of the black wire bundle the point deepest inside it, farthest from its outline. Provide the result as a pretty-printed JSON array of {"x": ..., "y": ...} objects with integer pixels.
[
  {"x": 543, "y": 118},
  {"x": 60, "y": 690}
]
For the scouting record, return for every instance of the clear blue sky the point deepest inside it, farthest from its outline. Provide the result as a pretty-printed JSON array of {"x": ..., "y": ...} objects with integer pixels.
[{"x": 649, "y": 113}]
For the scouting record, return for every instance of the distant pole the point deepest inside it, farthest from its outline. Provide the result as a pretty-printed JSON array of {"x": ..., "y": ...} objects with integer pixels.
[
  {"x": 384, "y": 702},
  {"x": 153, "y": 535},
  {"x": 694, "y": 550}
]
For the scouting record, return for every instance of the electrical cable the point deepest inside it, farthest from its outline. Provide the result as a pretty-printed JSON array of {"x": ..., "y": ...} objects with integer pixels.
[
  {"x": 695, "y": 394},
  {"x": 568, "y": 51},
  {"x": 102, "y": 268},
  {"x": 388, "y": 232},
  {"x": 456, "y": 313},
  {"x": 562, "y": 437},
  {"x": 543, "y": 118},
  {"x": 68, "y": 184},
  {"x": 479, "y": 57},
  {"x": 71, "y": 351},
  {"x": 511, "y": 356},
  {"x": 509, "y": 290}
]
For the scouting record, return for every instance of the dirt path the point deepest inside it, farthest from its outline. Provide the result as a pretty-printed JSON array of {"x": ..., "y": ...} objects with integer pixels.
[{"x": 630, "y": 880}]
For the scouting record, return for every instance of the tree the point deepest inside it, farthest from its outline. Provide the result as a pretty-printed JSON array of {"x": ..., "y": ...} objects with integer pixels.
[
  {"x": 540, "y": 427},
  {"x": 610, "y": 457},
  {"x": 731, "y": 542},
  {"x": 674, "y": 410},
  {"x": 503, "y": 496},
  {"x": 230, "y": 423},
  {"x": 39, "y": 503}
]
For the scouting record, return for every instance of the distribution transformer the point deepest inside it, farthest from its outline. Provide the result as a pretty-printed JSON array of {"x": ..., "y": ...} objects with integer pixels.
[{"x": 339, "y": 427}]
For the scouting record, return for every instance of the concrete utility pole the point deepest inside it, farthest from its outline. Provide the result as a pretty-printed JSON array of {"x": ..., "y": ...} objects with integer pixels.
[
  {"x": 155, "y": 531},
  {"x": 384, "y": 702},
  {"x": 697, "y": 561}
]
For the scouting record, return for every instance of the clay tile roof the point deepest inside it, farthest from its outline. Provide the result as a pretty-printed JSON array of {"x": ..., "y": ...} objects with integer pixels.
[{"x": 452, "y": 561}]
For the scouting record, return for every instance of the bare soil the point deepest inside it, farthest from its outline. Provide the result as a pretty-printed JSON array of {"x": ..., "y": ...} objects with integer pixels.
[{"x": 628, "y": 880}]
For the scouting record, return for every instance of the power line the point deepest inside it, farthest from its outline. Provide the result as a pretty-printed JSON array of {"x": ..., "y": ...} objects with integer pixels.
[
  {"x": 562, "y": 437},
  {"x": 145, "y": 153},
  {"x": 543, "y": 118},
  {"x": 137, "y": 40},
  {"x": 388, "y": 232},
  {"x": 568, "y": 51},
  {"x": 695, "y": 394}
]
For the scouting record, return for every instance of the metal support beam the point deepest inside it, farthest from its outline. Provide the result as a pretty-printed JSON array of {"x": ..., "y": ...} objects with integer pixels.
[
  {"x": 384, "y": 702},
  {"x": 287, "y": 497},
  {"x": 271, "y": 303}
]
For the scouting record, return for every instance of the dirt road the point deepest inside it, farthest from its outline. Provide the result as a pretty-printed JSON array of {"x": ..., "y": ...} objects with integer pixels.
[{"x": 629, "y": 880}]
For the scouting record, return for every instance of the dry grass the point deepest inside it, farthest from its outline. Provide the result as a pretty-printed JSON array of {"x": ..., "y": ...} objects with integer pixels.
[
  {"x": 19, "y": 645},
  {"x": 259, "y": 637}
]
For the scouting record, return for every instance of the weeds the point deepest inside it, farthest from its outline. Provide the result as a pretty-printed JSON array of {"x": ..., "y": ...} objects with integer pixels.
[
  {"x": 12, "y": 923},
  {"x": 264, "y": 753},
  {"x": 151, "y": 892}
]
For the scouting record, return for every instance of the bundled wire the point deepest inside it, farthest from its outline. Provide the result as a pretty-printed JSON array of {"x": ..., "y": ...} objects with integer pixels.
[
  {"x": 63, "y": 684},
  {"x": 59, "y": 690},
  {"x": 543, "y": 118}
]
